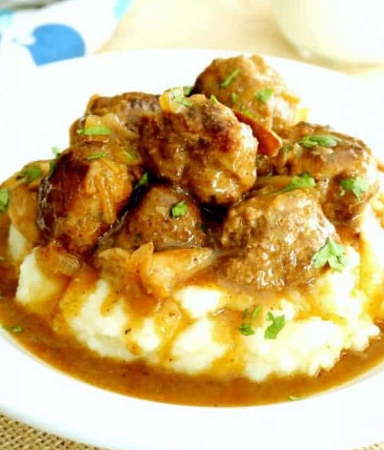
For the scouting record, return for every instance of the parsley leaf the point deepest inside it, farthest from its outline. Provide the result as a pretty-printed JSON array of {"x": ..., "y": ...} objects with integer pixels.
[
  {"x": 331, "y": 253},
  {"x": 30, "y": 173},
  {"x": 183, "y": 101},
  {"x": 4, "y": 199},
  {"x": 214, "y": 99},
  {"x": 56, "y": 151},
  {"x": 187, "y": 90},
  {"x": 248, "y": 113},
  {"x": 358, "y": 186},
  {"x": 143, "y": 181},
  {"x": 234, "y": 97},
  {"x": 14, "y": 329},
  {"x": 276, "y": 326},
  {"x": 246, "y": 329},
  {"x": 179, "y": 209},
  {"x": 264, "y": 95},
  {"x": 96, "y": 155},
  {"x": 230, "y": 78},
  {"x": 101, "y": 131},
  {"x": 302, "y": 181},
  {"x": 325, "y": 140}
]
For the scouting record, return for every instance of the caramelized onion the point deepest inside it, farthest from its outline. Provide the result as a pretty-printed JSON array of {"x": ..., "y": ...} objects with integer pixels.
[{"x": 54, "y": 260}]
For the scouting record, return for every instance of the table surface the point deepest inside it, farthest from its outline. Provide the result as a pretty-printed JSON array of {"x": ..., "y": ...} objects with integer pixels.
[{"x": 243, "y": 25}]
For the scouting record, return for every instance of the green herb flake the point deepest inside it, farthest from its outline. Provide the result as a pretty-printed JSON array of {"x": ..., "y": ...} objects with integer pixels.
[
  {"x": 332, "y": 253},
  {"x": 132, "y": 154},
  {"x": 295, "y": 398},
  {"x": 249, "y": 114},
  {"x": 179, "y": 210},
  {"x": 4, "y": 199},
  {"x": 325, "y": 140},
  {"x": 358, "y": 186},
  {"x": 91, "y": 131},
  {"x": 96, "y": 155},
  {"x": 52, "y": 167},
  {"x": 214, "y": 99},
  {"x": 246, "y": 329},
  {"x": 299, "y": 182},
  {"x": 230, "y": 78},
  {"x": 144, "y": 180},
  {"x": 286, "y": 149},
  {"x": 56, "y": 151},
  {"x": 264, "y": 95},
  {"x": 182, "y": 101},
  {"x": 234, "y": 98},
  {"x": 30, "y": 173},
  {"x": 14, "y": 329},
  {"x": 187, "y": 90},
  {"x": 255, "y": 312},
  {"x": 276, "y": 326}
]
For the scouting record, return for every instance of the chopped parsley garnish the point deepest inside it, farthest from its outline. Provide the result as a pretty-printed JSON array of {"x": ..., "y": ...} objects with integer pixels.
[
  {"x": 4, "y": 199},
  {"x": 264, "y": 95},
  {"x": 143, "y": 181},
  {"x": 276, "y": 326},
  {"x": 30, "y": 173},
  {"x": 248, "y": 113},
  {"x": 14, "y": 329},
  {"x": 325, "y": 140},
  {"x": 182, "y": 101},
  {"x": 179, "y": 209},
  {"x": 246, "y": 329},
  {"x": 358, "y": 186},
  {"x": 56, "y": 151},
  {"x": 96, "y": 155},
  {"x": 52, "y": 167},
  {"x": 230, "y": 78},
  {"x": 302, "y": 181},
  {"x": 234, "y": 97},
  {"x": 187, "y": 90},
  {"x": 101, "y": 131},
  {"x": 132, "y": 154},
  {"x": 332, "y": 253},
  {"x": 214, "y": 99}
]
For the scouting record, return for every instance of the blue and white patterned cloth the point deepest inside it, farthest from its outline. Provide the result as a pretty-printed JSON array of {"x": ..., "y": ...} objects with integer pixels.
[{"x": 63, "y": 30}]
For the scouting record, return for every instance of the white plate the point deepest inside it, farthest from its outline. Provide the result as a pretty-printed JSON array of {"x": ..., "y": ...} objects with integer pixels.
[{"x": 35, "y": 113}]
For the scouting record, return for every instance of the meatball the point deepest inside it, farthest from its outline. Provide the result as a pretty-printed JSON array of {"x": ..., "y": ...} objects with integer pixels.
[
  {"x": 251, "y": 86},
  {"x": 86, "y": 193},
  {"x": 343, "y": 167},
  {"x": 275, "y": 237},
  {"x": 201, "y": 146},
  {"x": 129, "y": 107},
  {"x": 166, "y": 216}
]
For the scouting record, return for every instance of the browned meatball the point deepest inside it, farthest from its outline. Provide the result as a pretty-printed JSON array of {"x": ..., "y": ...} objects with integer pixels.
[
  {"x": 251, "y": 86},
  {"x": 86, "y": 193},
  {"x": 129, "y": 107},
  {"x": 200, "y": 145},
  {"x": 166, "y": 216},
  {"x": 344, "y": 168},
  {"x": 276, "y": 237}
]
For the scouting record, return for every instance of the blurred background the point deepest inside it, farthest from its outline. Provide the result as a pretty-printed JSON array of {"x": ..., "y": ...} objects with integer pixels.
[{"x": 346, "y": 35}]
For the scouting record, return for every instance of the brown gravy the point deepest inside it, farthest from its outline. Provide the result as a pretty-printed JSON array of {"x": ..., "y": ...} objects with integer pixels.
[{"x": 140, "y": 380}]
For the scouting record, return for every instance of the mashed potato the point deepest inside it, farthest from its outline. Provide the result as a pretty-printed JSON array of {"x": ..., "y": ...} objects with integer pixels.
[{"x": 337, "y": 317}]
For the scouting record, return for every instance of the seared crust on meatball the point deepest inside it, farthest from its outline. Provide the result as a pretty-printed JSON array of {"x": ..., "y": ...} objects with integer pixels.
[
  {"x": 275, "y": 237},
  {"x": 201, "y": 146},
  {"x": 166, "y": 216},
  {"x": 129, "y": 107},
  {"x": 337, "y": 163},
  {"x": 85, "y": 195},
  {"x": 251, "y": 86}
]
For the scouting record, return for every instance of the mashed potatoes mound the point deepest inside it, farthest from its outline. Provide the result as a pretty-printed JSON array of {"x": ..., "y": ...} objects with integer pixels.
[{"x": 335, "y": 315}]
